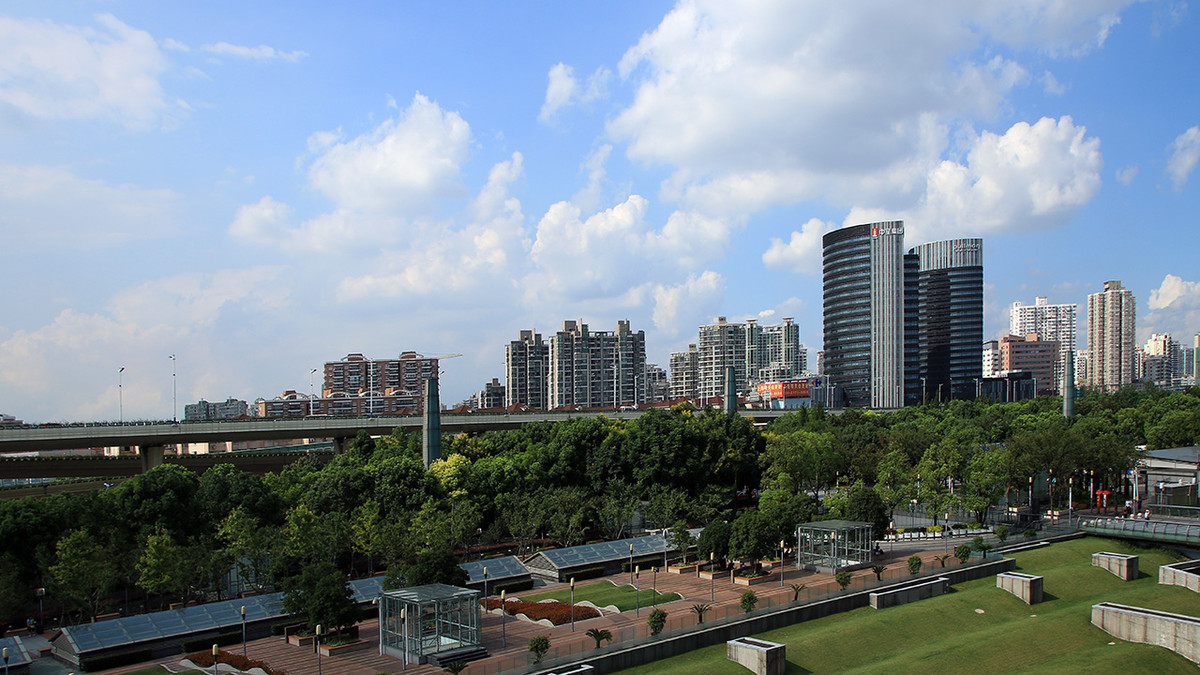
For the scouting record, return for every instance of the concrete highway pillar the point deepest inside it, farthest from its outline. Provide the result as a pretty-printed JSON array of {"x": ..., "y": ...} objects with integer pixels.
[
  {"x": 431, "y": 436},
  {"x": 341, "y": 444},
  {"x": 152, "y": 456}
]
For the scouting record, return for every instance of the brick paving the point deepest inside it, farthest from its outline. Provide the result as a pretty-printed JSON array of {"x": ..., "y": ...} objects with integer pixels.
[{"x": 508, "y": 646}]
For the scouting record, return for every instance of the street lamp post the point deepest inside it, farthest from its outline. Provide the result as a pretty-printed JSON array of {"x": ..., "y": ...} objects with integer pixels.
[
  {"x": 243, "y": 631},
  {"x": 712, "y": 574},
  {"x": 637, "y": 598},
  {"x": 120, "y": 398},
  {"x": 654, "y": 587},
  {"x": 5, "y": 661},
  {"x": 630, "y": 564},
  {"x": 781, "y": 568},
  {"x": 503, "y": 613},
  {"x": 215, "y": 653},
  {"x": 924, "y": 396},
  {"x": 317, "y": 643},
  {"x": 572, "y": 605},
  {"x": 404, "y": 636},
  {"x": 485, "y": 578},
  {"x": 41, "y": 616},
  {"x": 310, "y": 391},
  {"x": 174, "y": 403}
]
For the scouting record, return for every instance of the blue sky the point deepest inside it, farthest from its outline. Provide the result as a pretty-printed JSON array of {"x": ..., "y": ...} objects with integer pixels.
[{"x": 258, "y": 188}]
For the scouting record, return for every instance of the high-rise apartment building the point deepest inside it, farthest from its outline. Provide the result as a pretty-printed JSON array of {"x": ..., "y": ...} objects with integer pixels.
[
  {"x": 491, "y": 396},
  {"x": 204, "y": 410},
  {"x": 1111, "y": 330},
  {"x": 863, "y": 294},
  {"x": 596, "y": 369},
  {"x": 720, "y": 346},
  {"x": 944, "y": 322},
  {"x": 1163, "y": 361},
  {"x": 685, "y": 373},
  {"x": 527, "y": 371},
  {"x": 1051, "y": 322},
  {"x": 756, "y": 353}
]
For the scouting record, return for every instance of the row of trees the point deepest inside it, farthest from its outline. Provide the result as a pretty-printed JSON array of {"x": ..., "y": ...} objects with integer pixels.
[{"x": 170, "y": 535}]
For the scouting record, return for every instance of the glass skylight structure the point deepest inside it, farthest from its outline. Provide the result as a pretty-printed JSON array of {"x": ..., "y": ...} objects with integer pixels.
[{"x": 418, "y": 621}]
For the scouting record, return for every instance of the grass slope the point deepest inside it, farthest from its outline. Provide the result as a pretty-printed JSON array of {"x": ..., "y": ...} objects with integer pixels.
[
  {"x": 604, "y": 593},
  {"x": 946, "y": 634}
]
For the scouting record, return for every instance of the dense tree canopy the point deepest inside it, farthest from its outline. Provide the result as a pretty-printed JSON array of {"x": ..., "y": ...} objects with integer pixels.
[{"x": 169, "y": 533}]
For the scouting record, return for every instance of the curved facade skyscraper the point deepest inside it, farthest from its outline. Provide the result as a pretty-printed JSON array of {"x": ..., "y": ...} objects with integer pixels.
[
  {"x": 863, "y": 295},
  {"x": 949, "y": 319}
]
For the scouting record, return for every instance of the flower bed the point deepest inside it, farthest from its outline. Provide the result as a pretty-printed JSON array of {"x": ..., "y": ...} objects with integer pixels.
[
  {"x": 204, "y": 659},
  {"x": 557, "y": 613},
  {"x": 752, "y": 580}
]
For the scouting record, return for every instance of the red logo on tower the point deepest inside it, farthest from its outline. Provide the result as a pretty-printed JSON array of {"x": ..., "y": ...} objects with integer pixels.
[{"x": 874, "y": 231}]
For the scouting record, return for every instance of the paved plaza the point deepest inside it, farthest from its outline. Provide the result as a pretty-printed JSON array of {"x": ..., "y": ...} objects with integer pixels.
[{"x": 626, "y": 627}]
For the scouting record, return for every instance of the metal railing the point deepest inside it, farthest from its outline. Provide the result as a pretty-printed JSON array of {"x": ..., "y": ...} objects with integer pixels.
[{"x": 1149, "y": 530}]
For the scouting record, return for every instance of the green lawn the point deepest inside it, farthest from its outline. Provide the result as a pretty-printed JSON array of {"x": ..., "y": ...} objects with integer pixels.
[
  {"x": 604, "y": 593},
  {"x": 153, "y": 670},
  {"x": 946, "y": 634}
]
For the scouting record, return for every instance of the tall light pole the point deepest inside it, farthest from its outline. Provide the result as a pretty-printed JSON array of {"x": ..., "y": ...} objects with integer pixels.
[
  {"x": 781, "y": 568},
  {"x": 485, "y": 578},
  {"x": 310, "y": 391},
  {"x": 174, "y": 404},
  {"x": 637, "y": 597},
  {"x": 317, "y": 642},
  {"x": 503, "y": 614},
  {"x": 923, "y": 395},
  {"x": 572, "y": 605},
  {"x": 404, "y": 634},
  {"x": 215, "y": 653},
  {"x": 243, "y": 631},
  {"x": 631, "y": 564},
  {"x": 712, "y": 578},
  {"x": 120, "y": 398}
]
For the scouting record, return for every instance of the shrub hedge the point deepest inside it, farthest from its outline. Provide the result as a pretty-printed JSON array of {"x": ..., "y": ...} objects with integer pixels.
[{"x": 106, "y": 661}]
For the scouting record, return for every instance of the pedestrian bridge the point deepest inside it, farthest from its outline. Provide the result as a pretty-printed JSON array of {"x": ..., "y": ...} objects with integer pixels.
[{"x": 1158, "y": 531}]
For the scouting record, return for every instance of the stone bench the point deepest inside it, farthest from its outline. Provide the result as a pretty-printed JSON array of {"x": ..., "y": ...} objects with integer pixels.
[
  {"x": 1186, "y": 574},
  {"x": 1025, "y": 586},
  {"x": 764, "y": 658},
  {"x": 900, "y": 595},
  {"x": 1125, "y": 567},
  {"x": 1177, "y": 632}
]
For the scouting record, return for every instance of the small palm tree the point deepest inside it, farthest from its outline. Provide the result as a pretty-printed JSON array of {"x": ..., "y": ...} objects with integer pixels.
[
  {"x": 599, "y": 635},
  {"x": 455, "y": 667},
  {"x": 796, "y": 588},
  {"x": 843, "y": 578},
  {"x": 700, "y": 610},
  {"x": 879, "y": 570},
  {"x": 943, "y": 558}
]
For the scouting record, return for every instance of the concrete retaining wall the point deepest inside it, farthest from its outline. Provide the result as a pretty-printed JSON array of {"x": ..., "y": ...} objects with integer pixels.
[
  {"x": 1025, "y": 586},
  {"x": 1186, "y": 574},
  {"x": 901, "y": 595},
  {"x": 1123, "y": 566},
  {"x": 1179, "y": 633},
  {"x": 665, "y": 646},
  {"x": 764, "y": 658}
]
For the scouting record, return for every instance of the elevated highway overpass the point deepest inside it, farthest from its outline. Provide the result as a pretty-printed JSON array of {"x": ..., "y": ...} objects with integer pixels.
[{"x": 150, "y": 439}]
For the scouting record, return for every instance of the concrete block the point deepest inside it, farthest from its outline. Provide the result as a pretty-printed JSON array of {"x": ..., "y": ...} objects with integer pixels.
[
  {"x": 1025, "y": 586},
  {"x": 1123, "y": 566},
  {"x": 760, "y": 656},
  {"x": 1186, "y": 574},
  {"x": 904, "y": 594},
  {"x": 1177, "y": 632}
]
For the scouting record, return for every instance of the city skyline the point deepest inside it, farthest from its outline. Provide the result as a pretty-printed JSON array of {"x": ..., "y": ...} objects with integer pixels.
[{"x": 257, "y": 189}]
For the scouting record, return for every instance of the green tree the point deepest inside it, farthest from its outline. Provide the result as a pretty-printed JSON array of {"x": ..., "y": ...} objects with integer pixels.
[
  {"x": 714, "y": 539},
  {"x": 84, "y": 572},
  {"x": 962, "y": 552},
  {"x": 796, "y": 588},
  {"x": 538, "y": 646},
  {"x": 748, "y": 601},
  {"x": 617, "y": 506},
  {"x": 656, "y": 621},
  {"x": 843, "y": 578},
  {"x": 681, "y": 539},
  {"x": 254, "y": 548},
  {"x": 320, "y": 594},
  {"x": 751, "y": 536},
  {"x": 436, "y": 565},
  {"x": 161, "y": 564}
]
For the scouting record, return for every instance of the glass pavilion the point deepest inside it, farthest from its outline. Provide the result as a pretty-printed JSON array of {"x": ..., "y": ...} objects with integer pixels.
[
  {"x": 419, "y": 621},
  {"x": 833, "y": 545}
]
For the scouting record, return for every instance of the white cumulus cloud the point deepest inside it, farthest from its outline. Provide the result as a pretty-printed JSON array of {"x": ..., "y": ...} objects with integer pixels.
[
  {"x": 678, "y": 307},
  {"x": 259, "y": 53},
  {"x": 1185, "y": 151},
  {"x": 109, "y": 70},
  {"x": 564, "y": 89},
  {"x": 1174, "y": 308},
  {"x": 802, "y": 253}
]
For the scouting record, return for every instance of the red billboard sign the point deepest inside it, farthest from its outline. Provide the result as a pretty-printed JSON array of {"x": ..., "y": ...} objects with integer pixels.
[{"x": 783, "y": 389}]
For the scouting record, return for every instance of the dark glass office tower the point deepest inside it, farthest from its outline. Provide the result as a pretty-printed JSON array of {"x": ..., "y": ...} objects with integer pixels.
[{"x": 948, "y": 309}]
